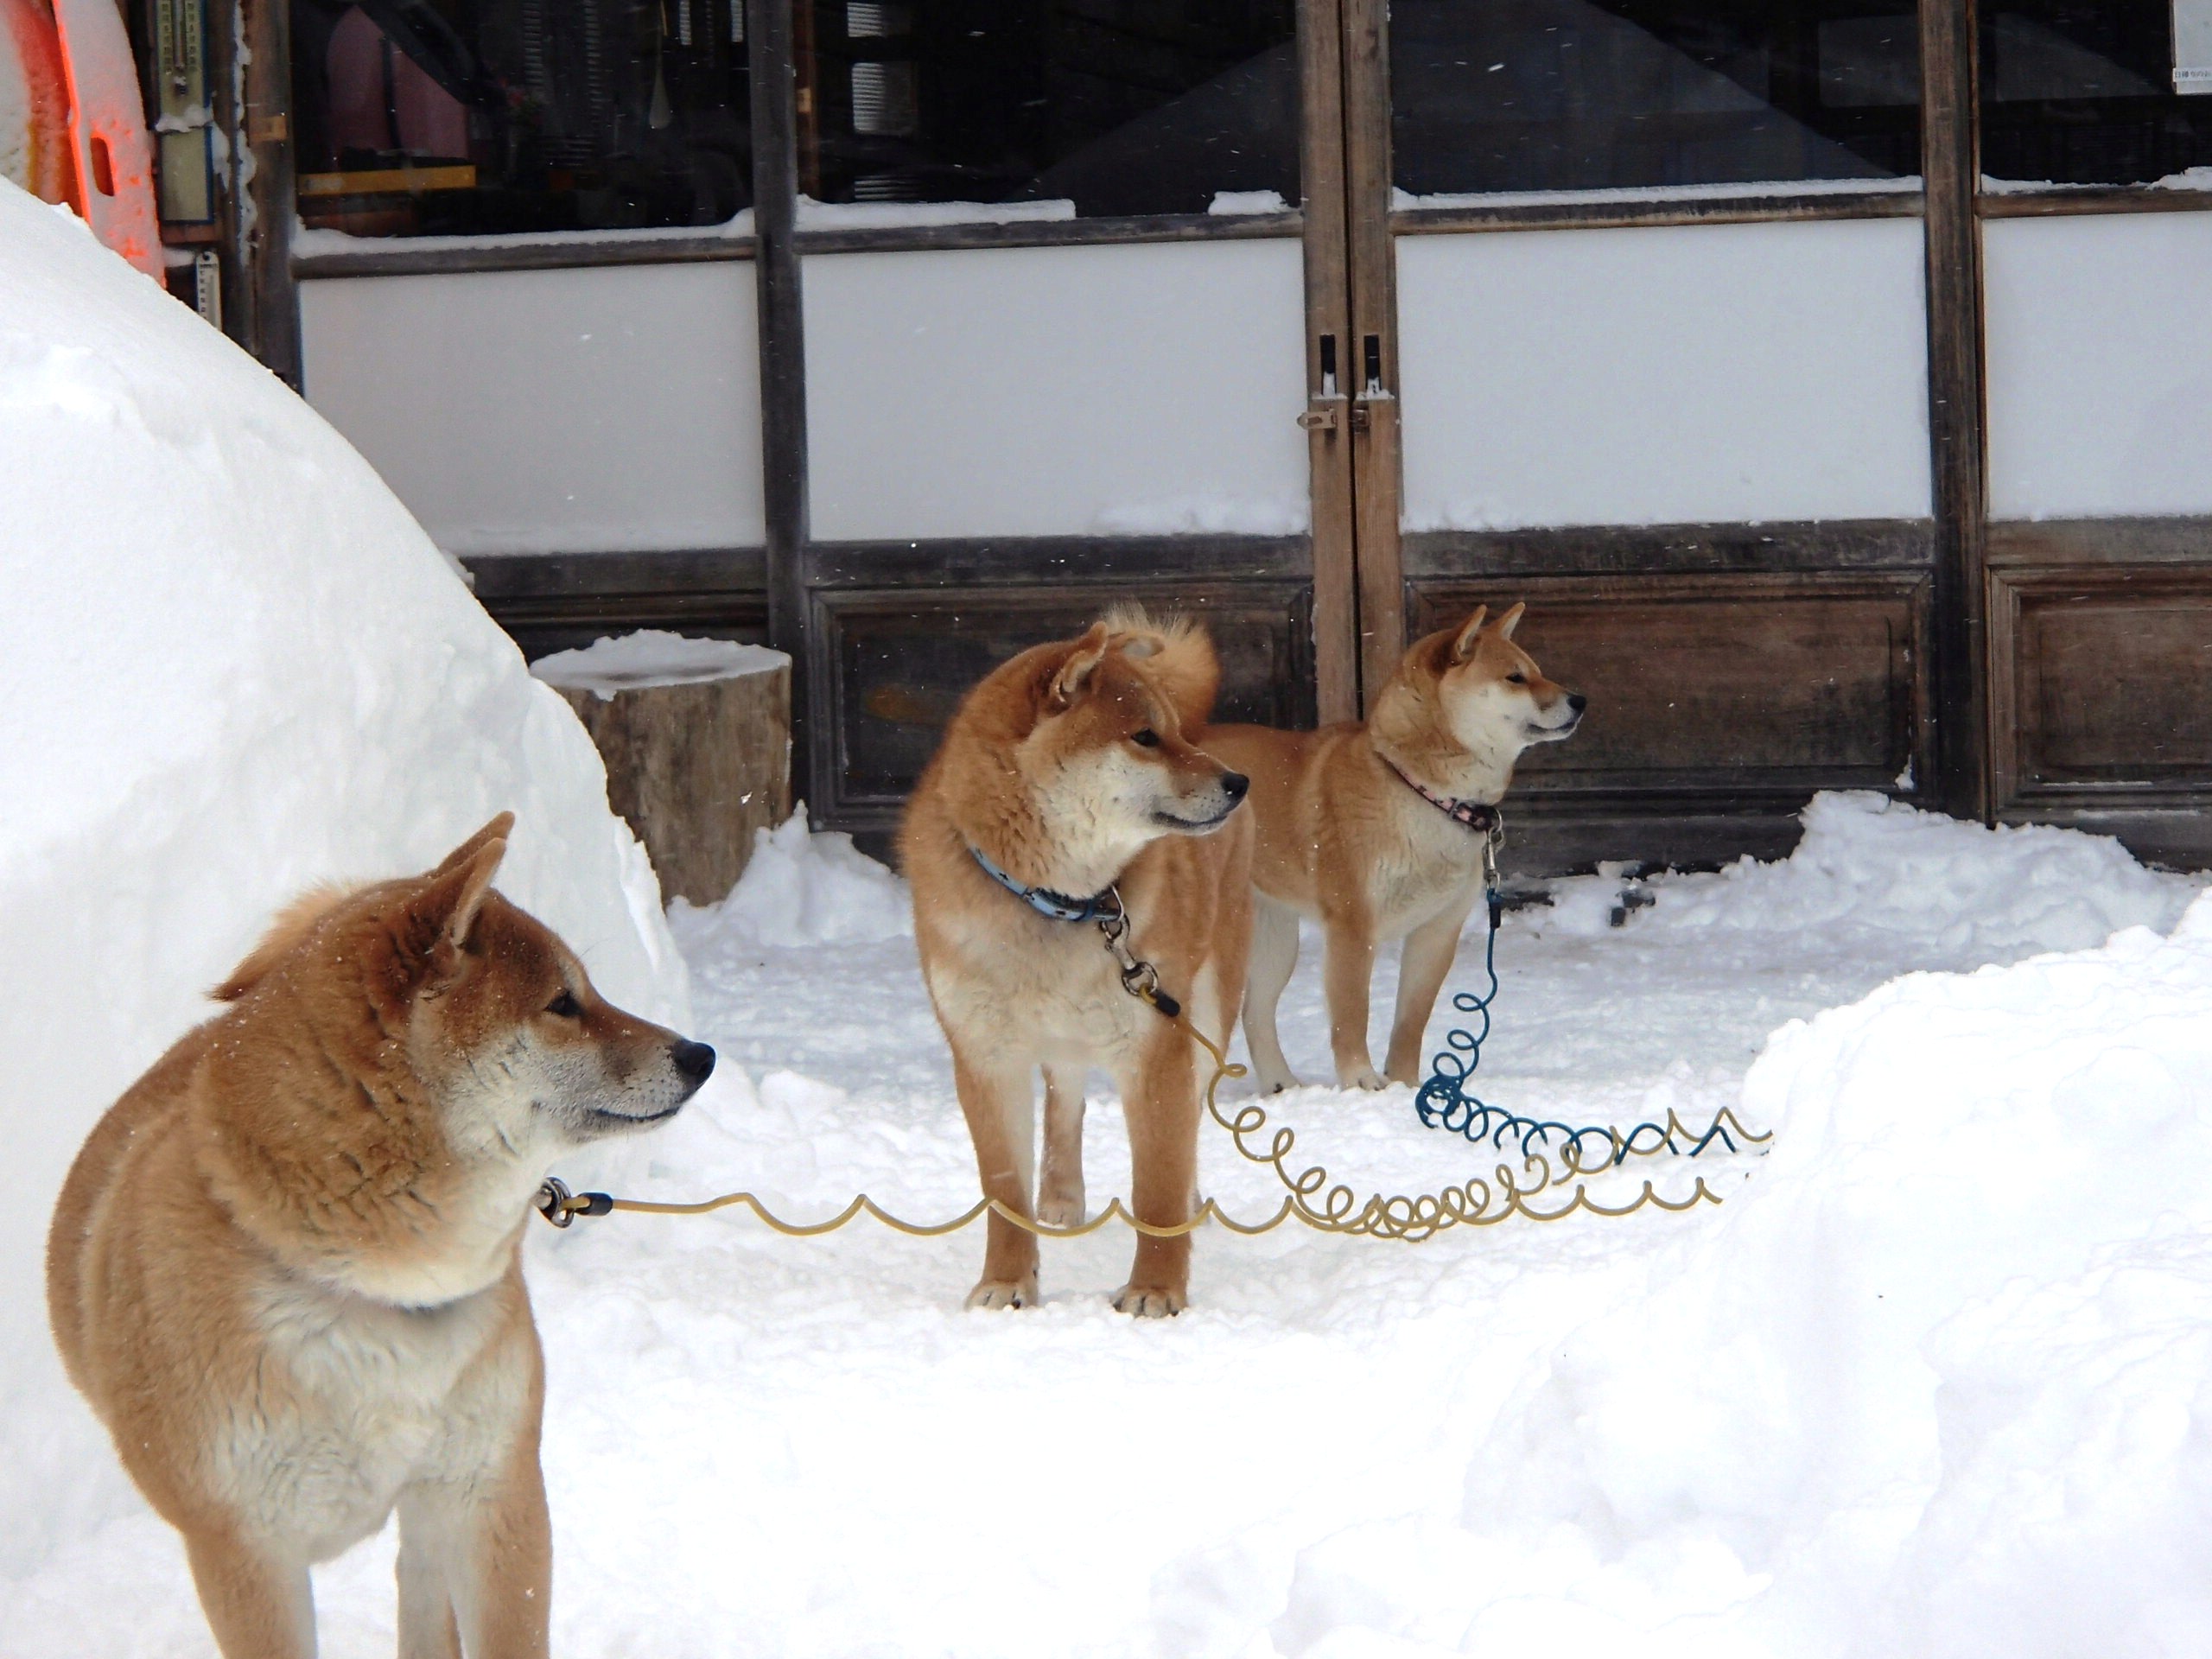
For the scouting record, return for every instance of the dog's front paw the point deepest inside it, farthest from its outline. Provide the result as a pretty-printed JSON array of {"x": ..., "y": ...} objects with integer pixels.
[
  {"x": 1061, "y": 1209},
  {"x": 1149, "y": 1302},
  {"x": 1004, "y": 1293},
  {"x": 1366, "y": 1078}
]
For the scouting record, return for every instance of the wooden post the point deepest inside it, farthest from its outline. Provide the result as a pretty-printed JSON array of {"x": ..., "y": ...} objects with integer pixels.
[
  {"x": 697, "y": 745},
  {"x": 1957, "y": 423}
]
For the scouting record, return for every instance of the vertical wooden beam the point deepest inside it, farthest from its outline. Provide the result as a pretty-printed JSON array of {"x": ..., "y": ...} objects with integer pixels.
[
  {"x": 1376, "y": 467},
  {"x": 261, "y": 206},
  {"x": 778, "y": 304},
  {"x": 1328, "y": 356},
  {"x": 1957, "y": 416}
]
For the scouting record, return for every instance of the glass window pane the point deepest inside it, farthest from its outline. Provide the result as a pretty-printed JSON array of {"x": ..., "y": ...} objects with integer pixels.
[
  {"x": 1544, "y": 95},
  {"x": 457, "y": 116},
  {"x": 2074, "y": 94},
  {"x": 1122, "y": 106}
]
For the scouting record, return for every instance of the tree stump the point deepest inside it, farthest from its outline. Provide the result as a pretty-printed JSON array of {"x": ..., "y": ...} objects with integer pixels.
[{"x": 696, "y": 735}]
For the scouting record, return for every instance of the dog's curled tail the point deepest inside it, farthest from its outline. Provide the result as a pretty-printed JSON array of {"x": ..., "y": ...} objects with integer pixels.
[
  {"x": 1177, "y": 654},
  {"x": 293, "y": 924}
]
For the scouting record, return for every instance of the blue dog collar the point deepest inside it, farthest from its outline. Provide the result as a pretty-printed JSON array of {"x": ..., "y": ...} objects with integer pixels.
[{"x": 1104, "y": 907}]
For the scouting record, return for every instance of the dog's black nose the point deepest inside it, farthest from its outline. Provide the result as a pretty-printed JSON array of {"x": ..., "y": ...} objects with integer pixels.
[
  {"x": 694, "y": 1061},
  {"x": 1577, "y": 702},
  {"x": 1236, "y": 783}
]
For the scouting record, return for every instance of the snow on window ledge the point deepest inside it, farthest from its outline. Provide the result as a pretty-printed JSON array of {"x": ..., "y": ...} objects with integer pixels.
[
  {"x": 306, "y": 242},
  {"x": 907, "y": 215},
  {"x": 1405, "y": 201}
]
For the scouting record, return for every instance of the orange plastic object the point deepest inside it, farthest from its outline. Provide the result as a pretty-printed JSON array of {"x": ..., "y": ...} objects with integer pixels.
[
  {"x": 37, "y": 157},
  {"x": 114, "y": 186}
]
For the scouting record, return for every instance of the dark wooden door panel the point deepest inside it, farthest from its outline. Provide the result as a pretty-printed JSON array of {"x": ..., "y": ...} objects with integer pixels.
[
  {"x": 2118, "y": 687},
  {"x": 902, "y": 661},
  {"x": 2104, "y": 681},
  {"x": 1739, "y": 688}
]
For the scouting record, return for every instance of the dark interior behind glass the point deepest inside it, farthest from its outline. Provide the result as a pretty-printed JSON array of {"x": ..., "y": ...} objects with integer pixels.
[
  {"x": 1520, "y": 95},
  {"x": 1125, "y": 106},
  {"x": 423, "y": 117},
  {"x": 2079, "y": 93}
]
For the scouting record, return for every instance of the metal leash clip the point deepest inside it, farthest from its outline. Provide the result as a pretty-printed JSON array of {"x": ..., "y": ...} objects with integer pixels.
[
  {"x": 561, "y": 1206},
  {"x": 1139, "y": 978}
]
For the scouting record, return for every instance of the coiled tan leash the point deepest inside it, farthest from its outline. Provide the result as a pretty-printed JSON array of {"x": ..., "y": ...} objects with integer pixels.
[{"x": 1311, "y": 1197}]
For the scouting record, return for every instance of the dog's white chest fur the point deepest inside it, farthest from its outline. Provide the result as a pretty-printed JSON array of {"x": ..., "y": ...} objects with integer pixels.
[
  {"x": 355, "y": 1400},
  {"x": 1434, "y": 860},
  {"x": 1040, "y": 988}
]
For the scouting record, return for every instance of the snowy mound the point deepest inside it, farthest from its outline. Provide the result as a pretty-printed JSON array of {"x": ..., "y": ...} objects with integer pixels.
[
  {"x": 1869, "y": 866},
  {"x": 232, "y": 666},
  {"x": 1938, "y": 1381},
  {"x": 801, "y": 889}
]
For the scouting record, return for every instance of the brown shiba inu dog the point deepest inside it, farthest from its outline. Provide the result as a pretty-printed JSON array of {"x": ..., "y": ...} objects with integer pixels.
[
  {"x": 1377, "y": 831},
  {"x": 1065, "y": 785},
  {"x": 286, "y": 1267}
]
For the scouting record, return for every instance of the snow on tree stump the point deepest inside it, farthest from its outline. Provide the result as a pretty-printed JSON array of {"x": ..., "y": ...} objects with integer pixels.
[{"x": 696, "y": 734}]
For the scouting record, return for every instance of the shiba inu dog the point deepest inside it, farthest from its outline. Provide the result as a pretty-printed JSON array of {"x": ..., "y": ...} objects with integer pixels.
[
  {"x": 1376, "y": 830},
  {"x": 1066, "y": 791},
  {"x": 286, "y": 1269}
]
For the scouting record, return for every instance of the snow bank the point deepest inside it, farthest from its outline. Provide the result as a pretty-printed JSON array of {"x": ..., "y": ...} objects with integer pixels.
[
  {"x": 800, "y": 889},
  {"x": 1938, "y": 1383},
  {"x": 1869, "y": 866},
  {"x": 232, "y": 666}
]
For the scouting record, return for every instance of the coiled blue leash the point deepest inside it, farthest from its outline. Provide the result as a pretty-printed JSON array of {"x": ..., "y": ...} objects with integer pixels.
[{"x": 1447, "y": 1100}]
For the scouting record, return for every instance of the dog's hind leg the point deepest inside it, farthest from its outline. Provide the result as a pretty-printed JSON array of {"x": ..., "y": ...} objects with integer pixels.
[
  {"x": 1059, "y": 1185},
  {"x": 1274, "y": 954},
  {"x": 1425, "y": 959},
  {"x": 1000, "y": 1106},
  {"x": 258, "y": 1601}
]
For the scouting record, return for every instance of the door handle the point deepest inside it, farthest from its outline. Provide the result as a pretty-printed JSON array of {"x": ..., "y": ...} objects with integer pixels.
[{"x": 1320, "y": 415}]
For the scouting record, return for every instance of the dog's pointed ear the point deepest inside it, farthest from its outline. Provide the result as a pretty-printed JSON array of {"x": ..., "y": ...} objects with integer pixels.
[
  {"x": 1463, "y": 646},
  {"x": 1510, "y": 620},
  {"x": 497, "y": 829},
  {"x": 1072, "y": 678},
  {"x": 442, "y": 910}
]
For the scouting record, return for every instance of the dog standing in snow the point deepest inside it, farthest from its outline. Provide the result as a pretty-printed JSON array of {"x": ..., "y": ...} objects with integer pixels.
[
  {"x": 1066, "y": 785},
  {"x": 1376, "y": 830},
  {"x": 286, "y": 1267}
]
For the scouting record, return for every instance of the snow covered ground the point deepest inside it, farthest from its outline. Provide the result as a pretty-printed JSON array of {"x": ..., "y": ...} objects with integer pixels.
[{"x": 1935, "y": 1379}]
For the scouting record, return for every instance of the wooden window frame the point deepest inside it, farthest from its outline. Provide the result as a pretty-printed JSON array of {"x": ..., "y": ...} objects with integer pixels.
[{"x": 1348, "y": 228}]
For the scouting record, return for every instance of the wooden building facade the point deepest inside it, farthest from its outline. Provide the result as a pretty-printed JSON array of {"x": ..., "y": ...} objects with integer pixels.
[{"x": 1834, "y": 381}]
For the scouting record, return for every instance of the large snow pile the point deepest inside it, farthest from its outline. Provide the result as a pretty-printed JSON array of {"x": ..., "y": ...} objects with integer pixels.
[
  {"x": 232, "y": 666},
  {"x": 1936, "y": 1382},
  {"x": 1869, "y": 866}
]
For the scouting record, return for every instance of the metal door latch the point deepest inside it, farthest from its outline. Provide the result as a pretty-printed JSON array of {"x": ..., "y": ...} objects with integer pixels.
[{"x": 1321, "y": 416}]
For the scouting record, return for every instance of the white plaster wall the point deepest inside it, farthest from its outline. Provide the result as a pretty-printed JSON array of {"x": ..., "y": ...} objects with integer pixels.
[
  {"x": 612, "y": 409},
  {"x": 2099, "y": 341},
  {"x": 1664, "y": 375},
  {"x": 1032, "y": 391}
]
